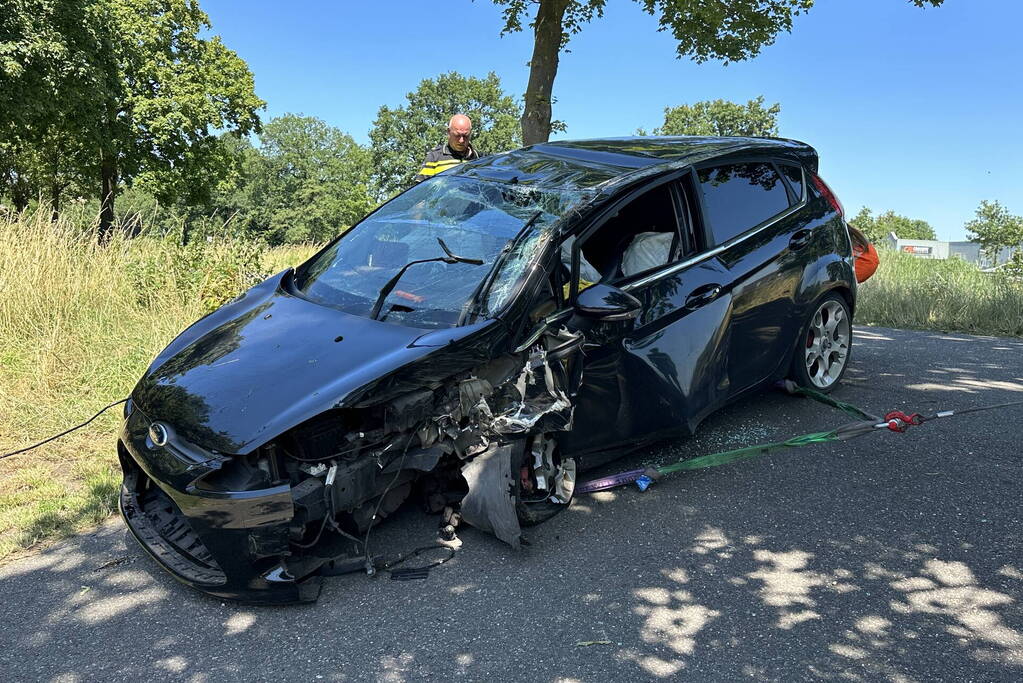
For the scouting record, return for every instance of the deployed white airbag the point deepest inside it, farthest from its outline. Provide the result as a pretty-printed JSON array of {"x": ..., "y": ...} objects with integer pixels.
[{"x": 647, "y": 250}]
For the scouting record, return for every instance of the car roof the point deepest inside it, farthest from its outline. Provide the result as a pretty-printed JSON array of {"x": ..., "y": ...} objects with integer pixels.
[{"x": 582, "y": 164}]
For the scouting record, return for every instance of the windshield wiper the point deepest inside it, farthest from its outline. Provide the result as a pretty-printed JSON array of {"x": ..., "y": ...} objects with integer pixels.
[{"x": 447, "y": 258}]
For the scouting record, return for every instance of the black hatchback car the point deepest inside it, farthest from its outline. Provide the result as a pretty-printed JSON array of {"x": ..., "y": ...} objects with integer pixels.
[{"x": 477, "y": 342}]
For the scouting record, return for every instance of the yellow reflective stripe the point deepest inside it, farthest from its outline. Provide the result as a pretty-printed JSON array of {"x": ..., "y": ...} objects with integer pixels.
[
  {"x": 427, "y": 171},
  {"x": 435, "y": 167}
]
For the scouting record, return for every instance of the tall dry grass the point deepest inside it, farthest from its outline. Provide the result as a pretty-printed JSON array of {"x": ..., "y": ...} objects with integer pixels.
[
  {"x": 79, "y": 323},
  {"x": 952, "y": 295}
]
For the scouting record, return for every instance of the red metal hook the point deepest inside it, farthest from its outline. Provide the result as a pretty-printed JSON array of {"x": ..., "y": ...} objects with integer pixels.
[{"x": 898, "y": 421}]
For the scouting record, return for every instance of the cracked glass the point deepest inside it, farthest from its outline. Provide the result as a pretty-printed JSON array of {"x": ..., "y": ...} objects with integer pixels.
[{"x": 501, "y": 224}]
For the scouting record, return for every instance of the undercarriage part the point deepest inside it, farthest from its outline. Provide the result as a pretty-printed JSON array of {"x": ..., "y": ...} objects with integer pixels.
[
  {"x": 490, "y": 504},
  {"x": 449, "y": 524},
  {"x": 421, "y": 459},
  {"x": 369, "y": 514}
]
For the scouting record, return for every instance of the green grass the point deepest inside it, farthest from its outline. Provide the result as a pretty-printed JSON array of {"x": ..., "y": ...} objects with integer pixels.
[
  {"x": 948, "y": 296},
  {"x": 79, "y": 323}
]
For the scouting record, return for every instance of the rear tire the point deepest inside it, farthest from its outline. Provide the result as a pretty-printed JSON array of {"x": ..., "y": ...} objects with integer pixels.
[
  {"x": 538, "y": 487},
  {"x": 822, "y": 352}
]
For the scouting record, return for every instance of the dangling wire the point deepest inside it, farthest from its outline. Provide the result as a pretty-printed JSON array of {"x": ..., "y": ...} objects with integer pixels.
[
  {"x": 54, "y": 438},
  {"x": 370, "y": 569}
]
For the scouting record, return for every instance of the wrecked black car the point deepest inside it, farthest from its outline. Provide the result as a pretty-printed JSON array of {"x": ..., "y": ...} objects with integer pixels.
[{"x": 476, "y": 343}]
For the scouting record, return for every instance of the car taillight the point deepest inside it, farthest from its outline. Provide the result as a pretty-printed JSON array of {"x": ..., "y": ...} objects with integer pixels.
[{"x": 829, "y": 196}]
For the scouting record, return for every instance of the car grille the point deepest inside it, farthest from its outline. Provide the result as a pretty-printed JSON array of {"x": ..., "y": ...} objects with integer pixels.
[
  {"x": 174, "y": 528},
  {"x": 160, "y": 526}
]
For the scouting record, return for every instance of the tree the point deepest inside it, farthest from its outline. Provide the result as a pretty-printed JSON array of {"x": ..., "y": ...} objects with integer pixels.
[
  {"x": 81, "y": 103},
  {"x": 311, "y": 181},
  {"x": 50, "y": 55},
  {"x": 877, "y": 229},
  {"x": 401, "y": 136},
  {"x": 996, "y": 229},
  {"x": 722, "y": 118},
  {"x": 729, "y": 30},
  {"x": 168, "y": 89}
]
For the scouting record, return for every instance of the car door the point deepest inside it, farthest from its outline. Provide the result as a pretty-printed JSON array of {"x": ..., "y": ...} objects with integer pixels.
[
  {"x": 750, "y": 211},
  {"x": 663, "y": 373}
]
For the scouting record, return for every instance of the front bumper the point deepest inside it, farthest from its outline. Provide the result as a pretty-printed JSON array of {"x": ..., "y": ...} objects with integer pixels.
[{"x": 229, "y": 544}]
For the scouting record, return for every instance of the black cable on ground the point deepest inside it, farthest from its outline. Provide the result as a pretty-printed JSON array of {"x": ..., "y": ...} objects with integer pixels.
[
  {"x": 370, "y": 569},
  {"x": 54, "y": 438},
  {"x": 392, "y": 566}
]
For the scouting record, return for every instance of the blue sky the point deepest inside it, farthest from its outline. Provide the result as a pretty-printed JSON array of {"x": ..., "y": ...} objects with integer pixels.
[{"x": 914, "y": 110}]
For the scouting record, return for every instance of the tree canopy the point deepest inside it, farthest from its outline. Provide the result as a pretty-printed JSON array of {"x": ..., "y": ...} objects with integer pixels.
[
  {"x": 729, "y": 30},
  {"x": 309, "y": 182},
  {"x": 50, "y": 52},
  {"x": 997, "y": 229},
  {"x": 877, "y": 228},
  {"x": 143, "y": 91},
  {"x": 170, "y": 91},
  {"x": 721, "y": 117},
  {"x": 401, "y": 136}
]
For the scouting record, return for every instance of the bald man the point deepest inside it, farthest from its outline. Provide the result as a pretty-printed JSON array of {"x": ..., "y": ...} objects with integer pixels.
[{"x": 453, "y": 152}]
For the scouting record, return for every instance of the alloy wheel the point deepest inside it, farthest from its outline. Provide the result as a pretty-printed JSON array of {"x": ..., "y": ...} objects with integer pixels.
[{"x": 827, "y": 344}]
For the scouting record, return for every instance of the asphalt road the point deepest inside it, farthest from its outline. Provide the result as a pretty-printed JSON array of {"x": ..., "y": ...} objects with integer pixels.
[{"x": 890, "y": 557}]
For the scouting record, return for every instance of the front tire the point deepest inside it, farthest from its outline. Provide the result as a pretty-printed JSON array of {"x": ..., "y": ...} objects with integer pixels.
[{"x": 822, "y": 352}]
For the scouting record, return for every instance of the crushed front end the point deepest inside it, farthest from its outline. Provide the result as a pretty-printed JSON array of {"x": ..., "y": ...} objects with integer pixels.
[{"x": 263, "y": 526}]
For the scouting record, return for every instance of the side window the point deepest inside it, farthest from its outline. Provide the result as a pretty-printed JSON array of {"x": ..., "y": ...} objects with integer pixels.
[
  {"x": 794, "y": 174},
  {"x": 737, "y": 197},
  {"x": 642, "y": 235}
]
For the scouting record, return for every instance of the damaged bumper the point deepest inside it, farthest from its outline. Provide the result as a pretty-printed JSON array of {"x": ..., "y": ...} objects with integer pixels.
[{"x": 227, "y": 544}]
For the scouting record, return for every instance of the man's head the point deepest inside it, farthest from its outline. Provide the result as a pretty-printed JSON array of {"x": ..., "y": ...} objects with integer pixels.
[{"x": 459, "y": 132}]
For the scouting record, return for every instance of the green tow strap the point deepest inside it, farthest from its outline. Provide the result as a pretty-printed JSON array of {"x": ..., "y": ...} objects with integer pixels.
[
  {"x": 847, "y": 408},
  {"x": 726, "y": 457},
  {"x": 896, "y": 421},
  {"x": 644, "y": 477}
]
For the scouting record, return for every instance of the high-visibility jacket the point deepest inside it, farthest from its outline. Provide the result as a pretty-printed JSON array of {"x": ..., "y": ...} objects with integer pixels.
[{"x": 442, "y": 157}]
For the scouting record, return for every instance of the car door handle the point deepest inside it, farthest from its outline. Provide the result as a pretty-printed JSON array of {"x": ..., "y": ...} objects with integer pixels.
[
  {"x": 701, "y": 296},
  {"x": 800, "y": 239}
]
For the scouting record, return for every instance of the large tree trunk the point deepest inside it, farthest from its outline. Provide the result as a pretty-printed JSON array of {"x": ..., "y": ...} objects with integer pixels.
[
  {"x": 55, "y": 186},
  {"x": 108, "y": 192},
  {"x": 543, "y": 67},
  {"x": 20, "y": 194},
  {"x": 56, "y": 190}
]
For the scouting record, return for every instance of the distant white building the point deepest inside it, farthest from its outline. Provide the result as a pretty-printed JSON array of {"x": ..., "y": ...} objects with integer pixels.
[{"x": 936, "y": 249}]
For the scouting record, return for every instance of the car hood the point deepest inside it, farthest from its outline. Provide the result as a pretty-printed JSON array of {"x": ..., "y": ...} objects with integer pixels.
[{"x": 271, "y": 360}]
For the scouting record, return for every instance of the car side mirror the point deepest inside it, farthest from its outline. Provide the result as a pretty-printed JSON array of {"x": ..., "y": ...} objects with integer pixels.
[{"x": 604, "y": 303}]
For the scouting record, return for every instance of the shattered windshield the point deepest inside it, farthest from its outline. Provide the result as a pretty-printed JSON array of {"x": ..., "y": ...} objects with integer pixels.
[{"x": 503, "y": 225}]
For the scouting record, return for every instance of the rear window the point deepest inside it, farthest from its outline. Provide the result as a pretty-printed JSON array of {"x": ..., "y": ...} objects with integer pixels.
[
  {"x": 737, "y": 197},
  {"x": 794, "y": 174}
]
